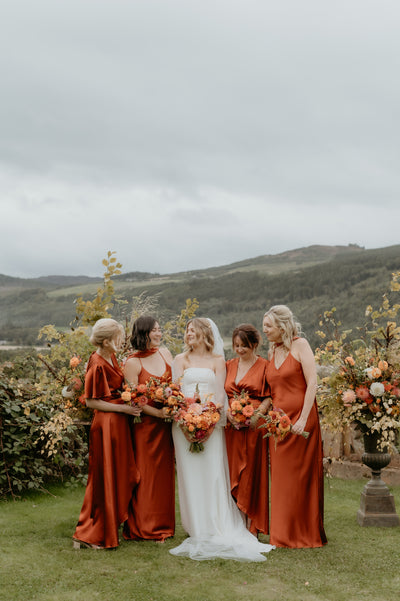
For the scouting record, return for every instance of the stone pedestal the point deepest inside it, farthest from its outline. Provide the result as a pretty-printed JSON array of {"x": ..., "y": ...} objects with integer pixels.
[
  {"x": 377, "y": 506},
  {"x": 377, "y": 503}
]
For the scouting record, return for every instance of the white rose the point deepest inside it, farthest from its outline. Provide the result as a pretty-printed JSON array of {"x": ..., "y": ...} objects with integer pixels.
[{"x": 377, "y": 389}]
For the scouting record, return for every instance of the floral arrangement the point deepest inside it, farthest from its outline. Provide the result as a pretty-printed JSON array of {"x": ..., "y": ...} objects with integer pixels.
[
  {"x": 136, "y": 397},
  {"x": 277, "y": 424},
  {"x": 362, "y": 383},
  {"x": 241, "y": 410},
  {"x": 197, "y": 421},
  {"x": 167, "y": 394}
]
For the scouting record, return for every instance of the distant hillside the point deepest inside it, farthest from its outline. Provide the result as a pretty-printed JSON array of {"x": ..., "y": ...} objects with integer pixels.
[
  {"x": 49, "y": 281},
  {"x": 310, "y": 280}
]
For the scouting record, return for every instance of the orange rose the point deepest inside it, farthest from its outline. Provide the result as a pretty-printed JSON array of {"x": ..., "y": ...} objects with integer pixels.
[
  {"x": 74, "y": 362},
  {"x": 159, "y": 393}
]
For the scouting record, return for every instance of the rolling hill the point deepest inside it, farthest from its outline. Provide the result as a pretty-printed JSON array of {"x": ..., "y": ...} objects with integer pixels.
[{"x": 310, "y": 280}]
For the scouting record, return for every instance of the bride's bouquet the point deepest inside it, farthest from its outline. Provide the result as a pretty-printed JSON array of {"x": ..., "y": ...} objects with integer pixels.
[
  {"x": 241, "y": 410},
  {"x": 277, "y": 424},
  {"x": 197, "y": 421}
]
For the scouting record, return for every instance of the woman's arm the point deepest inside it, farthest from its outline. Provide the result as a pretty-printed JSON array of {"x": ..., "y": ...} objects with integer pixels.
[
  {"x": 302, "y": 351},
  {"x": 221, "y": 398},
  {"x": 101, "y": 405},
  {"x": 132, "y": 370}
]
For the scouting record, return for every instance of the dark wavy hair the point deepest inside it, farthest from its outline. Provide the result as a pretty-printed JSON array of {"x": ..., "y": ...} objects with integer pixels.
[
  {"x": 248, "y": 334},
  {"x": 140, "y": 332}
]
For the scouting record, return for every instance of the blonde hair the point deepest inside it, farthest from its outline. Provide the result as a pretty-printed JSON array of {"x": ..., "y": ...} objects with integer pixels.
[
  {"x": 283, "y": 318},
  {"x": 201, "y": 326},
  {"x": 105, "y": 329}
]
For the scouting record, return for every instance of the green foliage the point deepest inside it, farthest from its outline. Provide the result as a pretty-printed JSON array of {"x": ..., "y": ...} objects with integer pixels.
[
  {"x": 89, "y": 311},
  {"x": 42, "y": 408},
  {"x": 25, "y": 462}
]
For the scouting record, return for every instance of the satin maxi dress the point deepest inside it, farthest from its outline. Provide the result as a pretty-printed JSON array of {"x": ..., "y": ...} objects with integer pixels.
[
  {"x": 247, "y": 448},
  {"x": 152, "y": 508},
  {"x": 297, "y": 485},
  {"x": 112, "y": 475}
]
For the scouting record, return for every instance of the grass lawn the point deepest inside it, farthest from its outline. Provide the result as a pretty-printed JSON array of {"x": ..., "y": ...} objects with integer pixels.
[{"x": 37, "y": 561}]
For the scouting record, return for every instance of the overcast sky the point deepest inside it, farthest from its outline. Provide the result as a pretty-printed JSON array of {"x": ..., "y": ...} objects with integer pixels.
[{"x": 189, "y": 133}]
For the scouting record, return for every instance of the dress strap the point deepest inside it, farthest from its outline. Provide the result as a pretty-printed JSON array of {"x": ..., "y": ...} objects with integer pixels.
[{"x": 163, "y": 358}]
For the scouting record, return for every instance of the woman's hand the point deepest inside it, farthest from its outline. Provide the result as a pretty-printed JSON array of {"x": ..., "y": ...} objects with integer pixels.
[
  {"x": 163, "y": 413},
  {"x": 132, "y": 410},
  {"x": 299, "y": 426},
  {"x": 265, "y": 405},
  {"x": 230, "y": 418}
]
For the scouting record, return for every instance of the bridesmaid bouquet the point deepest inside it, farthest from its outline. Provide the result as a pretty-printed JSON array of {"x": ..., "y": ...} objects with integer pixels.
[
  {"x": 135, "y": 396},
  {"x": 197, "y": 421},
  {"x": 166, "y": 393},
  {"x": 241, "y": 410},
  {"x": 277, "y": 425}
]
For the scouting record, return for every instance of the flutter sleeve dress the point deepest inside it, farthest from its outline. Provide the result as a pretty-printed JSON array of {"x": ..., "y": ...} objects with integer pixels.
[
  {"x": 297, "y": 486},
  {"x": 247, "y": 449},
  {"x": 112, "y": 475}
]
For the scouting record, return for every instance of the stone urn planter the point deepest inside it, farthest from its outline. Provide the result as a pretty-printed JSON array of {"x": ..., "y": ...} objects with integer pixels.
[{"x": 377, "y": 506}]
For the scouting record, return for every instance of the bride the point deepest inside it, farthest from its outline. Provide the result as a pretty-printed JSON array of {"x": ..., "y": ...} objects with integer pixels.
[{"x": 215, "y": 525}]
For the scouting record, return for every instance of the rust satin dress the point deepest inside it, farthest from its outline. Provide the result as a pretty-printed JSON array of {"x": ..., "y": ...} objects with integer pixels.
[
  {"x": 297, "y": 485},
  {"x": 248, "y": 450},
  {"x": 152, "y": 508},
  {"x": 112, "y": 474}
]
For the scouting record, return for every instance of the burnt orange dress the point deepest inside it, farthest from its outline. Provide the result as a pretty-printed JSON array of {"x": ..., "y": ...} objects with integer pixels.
[
  {"x": 152, "y": 508},
  {"x": 112, "y": 473},
  {"x": 297, "y": 485},
  {"x": 247, "y": 449}
]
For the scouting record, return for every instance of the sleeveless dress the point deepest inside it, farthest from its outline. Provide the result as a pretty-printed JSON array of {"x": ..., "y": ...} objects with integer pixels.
[
  {"x": 152, "y": 508},
  {"x": 112, "y": 474},
  {"x": 297, "y": 485},
  {"x": 215, "y": 525},
  {"x": 247, "y": 448}
]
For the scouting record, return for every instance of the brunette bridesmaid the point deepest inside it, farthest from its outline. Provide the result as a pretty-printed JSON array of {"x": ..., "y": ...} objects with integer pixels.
[
  {"x": 152, "y": 509},
  {"x": 246, "y": 447},
  {"x": 112, "y": 473},
  {"x": 297, "y": 486}
]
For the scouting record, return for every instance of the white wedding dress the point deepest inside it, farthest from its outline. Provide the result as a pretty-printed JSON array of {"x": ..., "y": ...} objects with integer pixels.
[{"x": 209, "y": 515}]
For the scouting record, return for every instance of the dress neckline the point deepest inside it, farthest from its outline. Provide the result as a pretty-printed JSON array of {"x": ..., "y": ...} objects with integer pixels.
[
  {"x": 245, "y": 374},
  {"x": 207, "y": 368},
  {"x": 166, "y": 366}
]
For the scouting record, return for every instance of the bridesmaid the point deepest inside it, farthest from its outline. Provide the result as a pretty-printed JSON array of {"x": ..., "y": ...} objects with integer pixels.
[
  {"x": 297, "y": 485},
  {"x": 246, "y": 447},
  {"x": 112, "y": 473},
  {"x": 152, "y": 510}
]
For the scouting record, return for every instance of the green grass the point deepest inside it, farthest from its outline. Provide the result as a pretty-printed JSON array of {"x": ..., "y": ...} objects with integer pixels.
[{"x": 37, "y": 561}]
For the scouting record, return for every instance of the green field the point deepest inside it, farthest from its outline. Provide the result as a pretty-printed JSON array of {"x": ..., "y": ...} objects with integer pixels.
[{"x": 38, "y": 563}]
